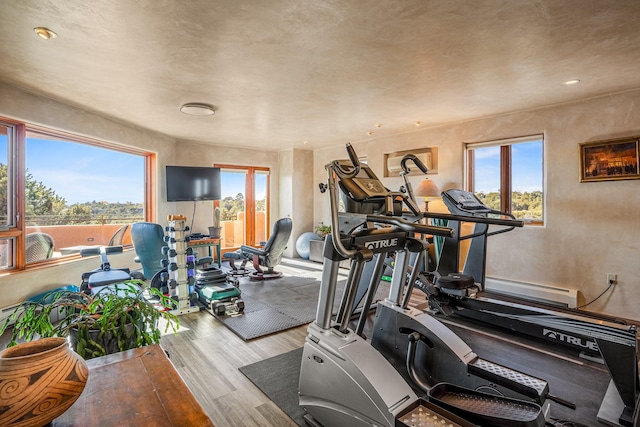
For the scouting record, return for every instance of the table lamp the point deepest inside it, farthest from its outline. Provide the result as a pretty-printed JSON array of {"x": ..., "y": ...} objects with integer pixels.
[{"x": 426, "y": 189}]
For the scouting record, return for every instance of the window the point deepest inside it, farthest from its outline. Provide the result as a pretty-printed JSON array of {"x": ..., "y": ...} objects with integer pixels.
[
  {"x": 60, "y": 193},
  {"x": 507, "y": 175},
  {"x": 244, "y": 206}
]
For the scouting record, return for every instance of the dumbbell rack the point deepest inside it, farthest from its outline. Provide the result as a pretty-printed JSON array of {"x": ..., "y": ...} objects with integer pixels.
[{"x": 180, "y": 265}]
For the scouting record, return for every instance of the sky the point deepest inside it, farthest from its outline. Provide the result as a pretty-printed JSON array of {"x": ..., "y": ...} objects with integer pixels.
[
  {"x": 526, "y": 165},
  {"x": 234, "y": 183},
  {"x": 83, "y": 173}
]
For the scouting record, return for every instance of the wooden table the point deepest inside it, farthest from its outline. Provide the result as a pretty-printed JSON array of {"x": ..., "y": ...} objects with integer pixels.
[
  {"x": 208, "y": 243},
  {"x": 138, "y": 387}
]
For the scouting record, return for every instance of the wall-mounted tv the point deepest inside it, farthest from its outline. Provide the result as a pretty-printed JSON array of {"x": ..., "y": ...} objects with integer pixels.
[{"x": 187, "y": 183}]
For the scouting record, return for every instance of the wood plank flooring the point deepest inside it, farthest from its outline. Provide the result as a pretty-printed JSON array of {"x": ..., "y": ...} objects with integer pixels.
[{"x": 207, "y": 355}]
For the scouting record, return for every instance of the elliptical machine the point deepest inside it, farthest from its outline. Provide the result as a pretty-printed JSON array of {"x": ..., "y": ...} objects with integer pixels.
[{"x": 347, "y": 381}]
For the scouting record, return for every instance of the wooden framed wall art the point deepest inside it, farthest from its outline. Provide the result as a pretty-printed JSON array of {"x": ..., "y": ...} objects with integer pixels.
[{"x": 609, "y": 160}]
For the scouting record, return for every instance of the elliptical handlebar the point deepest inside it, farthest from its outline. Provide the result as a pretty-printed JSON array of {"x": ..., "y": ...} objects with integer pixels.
[
  {"x": 346, "y": 173},
  {"x": 415, "y": 160},
  {"x": 412, "y": 227}
]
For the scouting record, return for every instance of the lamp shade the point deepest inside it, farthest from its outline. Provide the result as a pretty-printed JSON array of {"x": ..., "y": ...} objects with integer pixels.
[{"x": 427, "y": 188}]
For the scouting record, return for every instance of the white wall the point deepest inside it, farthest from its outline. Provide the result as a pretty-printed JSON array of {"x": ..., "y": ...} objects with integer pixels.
[
  {"x": 296, "y": 185},
  {"x": 591, "y": 229}
]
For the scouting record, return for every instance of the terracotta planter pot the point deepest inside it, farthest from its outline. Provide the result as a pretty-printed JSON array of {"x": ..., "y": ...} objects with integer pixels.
[{"x": 39, "y": 380}]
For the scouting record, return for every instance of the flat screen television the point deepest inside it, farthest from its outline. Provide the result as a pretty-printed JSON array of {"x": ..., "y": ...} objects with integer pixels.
[{"x": 187, "y": 183}]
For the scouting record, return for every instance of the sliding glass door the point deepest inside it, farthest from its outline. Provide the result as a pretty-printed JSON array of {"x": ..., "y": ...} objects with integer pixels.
[{"x": 244, "y": 206}]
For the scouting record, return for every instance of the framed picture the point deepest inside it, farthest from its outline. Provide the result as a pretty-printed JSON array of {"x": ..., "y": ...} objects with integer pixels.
[{"x": 609, "y": 160}]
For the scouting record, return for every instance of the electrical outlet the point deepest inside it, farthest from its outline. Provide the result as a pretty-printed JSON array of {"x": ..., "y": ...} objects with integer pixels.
[{"x": 612, "y": 278}]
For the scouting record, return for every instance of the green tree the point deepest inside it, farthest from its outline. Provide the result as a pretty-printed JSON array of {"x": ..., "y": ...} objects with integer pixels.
[
  {"x": 45, "y": 207},
  {"x": 42, "y": 201},
  {"x": 230, "y": 207}
]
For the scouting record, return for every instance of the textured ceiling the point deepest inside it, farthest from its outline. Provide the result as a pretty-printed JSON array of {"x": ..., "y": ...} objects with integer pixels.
[{"x": 281, "y": 72}]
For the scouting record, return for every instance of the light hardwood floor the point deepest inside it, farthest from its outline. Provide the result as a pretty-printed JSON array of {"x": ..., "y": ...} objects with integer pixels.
[{"x": 207, "y": 355}]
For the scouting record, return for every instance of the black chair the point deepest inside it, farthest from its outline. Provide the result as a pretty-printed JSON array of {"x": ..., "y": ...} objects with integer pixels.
[
  {"x": 268, "y": 255},
  {"x": 116, "y": 239}
]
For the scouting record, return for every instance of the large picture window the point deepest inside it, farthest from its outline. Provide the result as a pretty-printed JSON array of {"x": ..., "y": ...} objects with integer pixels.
[
  {"x": 507, "y": 175},
  {"x": 72, "y": 193}
]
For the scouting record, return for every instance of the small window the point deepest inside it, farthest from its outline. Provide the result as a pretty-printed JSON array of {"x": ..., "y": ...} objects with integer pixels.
[{"x": 507, "y": 175}]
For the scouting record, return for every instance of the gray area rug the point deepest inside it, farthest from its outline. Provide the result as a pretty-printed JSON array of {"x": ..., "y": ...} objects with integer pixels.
[
  {"x": 276, "y": 305},
  {"x": 277, "y": 377}
]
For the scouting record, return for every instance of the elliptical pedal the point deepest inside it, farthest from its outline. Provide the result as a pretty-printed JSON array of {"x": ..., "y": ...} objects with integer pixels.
[
  {"x": 487, "y": 409},
  {"x": 526, "y": 385}
]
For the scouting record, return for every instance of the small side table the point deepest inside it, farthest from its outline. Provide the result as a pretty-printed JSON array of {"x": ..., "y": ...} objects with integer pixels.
[{"x": 215, "y": 243}]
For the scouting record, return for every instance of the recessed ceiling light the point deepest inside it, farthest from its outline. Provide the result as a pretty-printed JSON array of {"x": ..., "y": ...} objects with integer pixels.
[
  {"x": 198, "y": 109},
  {"x": 305, "y": 142},
  {"x": 369, "y": 132},
  {"x": 571, "y": 82},
  {"x": 45, "y": 33},
  {"x": 379, "y": 125},
  {"x": 418, "y": 123}
]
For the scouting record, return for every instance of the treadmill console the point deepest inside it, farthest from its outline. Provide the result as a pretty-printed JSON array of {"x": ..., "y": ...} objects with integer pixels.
[{"x": 463, "y": 202}]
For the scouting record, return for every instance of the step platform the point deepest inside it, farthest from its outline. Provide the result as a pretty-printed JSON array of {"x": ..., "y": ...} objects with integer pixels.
[
  {"x": 527, "y": 385},
  {"x": 486, "y": 409}
]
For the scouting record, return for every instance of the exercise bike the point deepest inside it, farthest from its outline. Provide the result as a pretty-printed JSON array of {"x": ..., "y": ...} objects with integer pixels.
[
  {"x": 105, "y": 275},
  {"x": 347, "y": 381}
]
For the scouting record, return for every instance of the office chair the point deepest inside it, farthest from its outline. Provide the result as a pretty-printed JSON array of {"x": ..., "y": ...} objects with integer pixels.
[
  {"x": 39, "y": 246},
  {"x": 268, "y": 255},
  {"x": 148, "y": 241}
]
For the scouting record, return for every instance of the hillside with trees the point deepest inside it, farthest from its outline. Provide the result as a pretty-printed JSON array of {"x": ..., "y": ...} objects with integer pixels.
[
  {"x": 525, "y": 205},
  {"x": 45, "y": 207}
]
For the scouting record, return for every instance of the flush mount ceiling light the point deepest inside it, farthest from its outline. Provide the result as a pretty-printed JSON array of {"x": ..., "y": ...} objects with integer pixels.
[
  {"x": 45, "y": 33},
  {"x": 571, "y": 82},
  {"x": 198, "y": 109}
]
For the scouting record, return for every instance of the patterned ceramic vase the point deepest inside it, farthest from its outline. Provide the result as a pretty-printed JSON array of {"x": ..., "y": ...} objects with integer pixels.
[{"x": 39, "y": 380}]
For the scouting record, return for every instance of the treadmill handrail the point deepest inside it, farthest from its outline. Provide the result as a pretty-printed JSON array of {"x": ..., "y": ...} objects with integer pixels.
[{"x": 477, "y": 219}]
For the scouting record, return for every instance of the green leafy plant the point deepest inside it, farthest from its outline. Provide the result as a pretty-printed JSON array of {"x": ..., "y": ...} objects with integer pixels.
[
  {"x": 116, "y": 318},
  {"x": 322, "y": 230}
]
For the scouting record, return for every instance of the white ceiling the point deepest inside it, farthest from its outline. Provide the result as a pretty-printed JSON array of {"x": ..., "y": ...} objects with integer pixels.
[{"x": 281, "y": 72}]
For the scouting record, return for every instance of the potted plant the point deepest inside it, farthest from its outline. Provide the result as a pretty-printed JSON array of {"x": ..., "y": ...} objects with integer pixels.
[
  {"x": 322, "y": 230},
  {"x": 215, "y": 230},
  {"x": 116, "y": 318}
]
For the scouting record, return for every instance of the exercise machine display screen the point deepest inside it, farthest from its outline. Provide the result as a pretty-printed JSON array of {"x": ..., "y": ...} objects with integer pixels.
[{"x": 465, "y": 202}]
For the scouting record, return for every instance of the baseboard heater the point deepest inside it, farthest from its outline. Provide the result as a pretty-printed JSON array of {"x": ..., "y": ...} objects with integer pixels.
[
  {"x": 6, "y": 312},
  {"x": 533, "y": 291}
]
